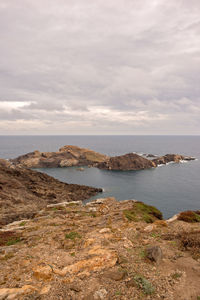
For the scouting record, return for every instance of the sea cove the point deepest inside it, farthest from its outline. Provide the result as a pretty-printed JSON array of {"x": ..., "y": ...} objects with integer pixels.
[{"x": 171, "y": 188}]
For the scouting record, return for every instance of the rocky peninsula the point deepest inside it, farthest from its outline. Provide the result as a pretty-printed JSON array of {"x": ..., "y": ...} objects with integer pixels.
[
  {"x": 68, "y": 156},
  {"x": 24, "y": 191}
]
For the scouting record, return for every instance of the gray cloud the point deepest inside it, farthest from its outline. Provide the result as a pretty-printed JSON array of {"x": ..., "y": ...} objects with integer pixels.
[{"x": 95, "y": 67}]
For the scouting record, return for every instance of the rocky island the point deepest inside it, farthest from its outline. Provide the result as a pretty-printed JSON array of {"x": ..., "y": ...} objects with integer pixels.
[{"x": 68, "y": 156}]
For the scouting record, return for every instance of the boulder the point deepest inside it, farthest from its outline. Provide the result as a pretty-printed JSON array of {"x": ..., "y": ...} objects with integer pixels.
[{"x": 154, "y": 253}]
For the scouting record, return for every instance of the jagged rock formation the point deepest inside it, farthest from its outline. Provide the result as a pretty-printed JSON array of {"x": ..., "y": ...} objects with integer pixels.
[
  {"x": 130, "y": 161},
  {"x": 171, "y": 158},
  {"x": 67, "y": 156},
  {"x": 24, "y": 191},
  {"x": 101, "y": 250}
]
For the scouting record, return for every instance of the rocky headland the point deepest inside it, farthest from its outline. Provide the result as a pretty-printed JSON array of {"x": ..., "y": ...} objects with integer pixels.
[
  {"x": 24, "y": 191},
  {"x": 68, "y": 156},
  {"x": 101, "y": 251}
]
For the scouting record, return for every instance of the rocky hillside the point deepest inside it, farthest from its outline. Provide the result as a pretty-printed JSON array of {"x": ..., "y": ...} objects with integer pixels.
[
  {"x": 104, "y": 250},
  {"x": 23, "y": 192}
]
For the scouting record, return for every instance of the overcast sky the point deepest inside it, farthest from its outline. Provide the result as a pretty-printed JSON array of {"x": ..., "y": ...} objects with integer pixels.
[{"x": 99, "y": 67}]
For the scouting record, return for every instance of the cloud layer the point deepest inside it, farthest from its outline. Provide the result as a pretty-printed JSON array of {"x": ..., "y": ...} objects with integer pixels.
[{"x": 91, "y": 67}]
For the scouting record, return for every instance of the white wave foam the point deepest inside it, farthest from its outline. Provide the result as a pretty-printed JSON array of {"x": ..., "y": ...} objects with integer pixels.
[
  {"x": 183, "y": 161},
  {"x": 171, "y": 162}
]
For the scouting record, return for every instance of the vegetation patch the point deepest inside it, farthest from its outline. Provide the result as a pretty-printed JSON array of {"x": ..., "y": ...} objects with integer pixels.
[
  {"x": 9, "y": 238},
  {"x": 187, "y": 240},
  {"x": 73, "y": 235},
  {"x": 7, "y": 256},
  {"x": 22, "y": 223},
  {"x": 93, "y": 156},
  {"x": 142, "y": 211},
  {"x": 190, "y": 216},
  {"x": 144, "y": 284},
  {"x": 176, "y": 275},
  {"x": 130, "y": 215}
]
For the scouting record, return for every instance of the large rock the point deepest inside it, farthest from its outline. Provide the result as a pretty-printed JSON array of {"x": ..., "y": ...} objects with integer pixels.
[
  {"x": 130, "y": 161},
  {"x": 23, "y": 192},
  {"x": 154, "y": 253},
  {"x": 67, "y": 156}
]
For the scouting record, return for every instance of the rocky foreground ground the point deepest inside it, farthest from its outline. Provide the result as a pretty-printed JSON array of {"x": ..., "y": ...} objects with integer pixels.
[{"x": 103, "y": 250}]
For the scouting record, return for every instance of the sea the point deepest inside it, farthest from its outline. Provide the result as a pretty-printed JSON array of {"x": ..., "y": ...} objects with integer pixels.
[{"x": 171, "y": 188}]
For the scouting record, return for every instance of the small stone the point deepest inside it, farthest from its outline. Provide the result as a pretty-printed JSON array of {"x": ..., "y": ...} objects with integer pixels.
[
  {"x": 100, "y": 294},
  {"x": 42, "y": 273},
  {"x": 104, "y": 230},
  {"x": 127, "y": 243},
  {"x": 75, "y": 287},
  {"x": 131, "y": 283},
  {"x": 45, "y": 290},
  {"x": 115, "y": 275},
  {"x": 154, "y": 253},
  {"x": 149, "y": 228}
]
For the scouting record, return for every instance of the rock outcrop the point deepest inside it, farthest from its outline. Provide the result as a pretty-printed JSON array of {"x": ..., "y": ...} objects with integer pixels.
[
  {"x": 176, "y": 158},
  {"x": 130, "y": 161},
  {"x": 67, "y": 156},
  {"x": 23, "y": 192}
]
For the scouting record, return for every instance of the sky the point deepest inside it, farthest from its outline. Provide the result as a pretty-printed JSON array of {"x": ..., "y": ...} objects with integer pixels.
[{"x": 100, "y": 67}]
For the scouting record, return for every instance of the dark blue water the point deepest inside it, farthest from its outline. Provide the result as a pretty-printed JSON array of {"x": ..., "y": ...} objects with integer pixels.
[{"x": 171, "y": 188}]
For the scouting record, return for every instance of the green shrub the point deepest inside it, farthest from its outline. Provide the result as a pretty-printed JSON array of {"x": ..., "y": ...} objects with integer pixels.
[
  {"x": 189, "y": 216},
  {"x": 130, "y": 215},
  {"x": 141, "y": 211},
  {"x": 144, "y": 284},
  {"x": 176, "y": 275},
  {"x": 73, "y": 235},
  {"x": 13, "y": 241}
]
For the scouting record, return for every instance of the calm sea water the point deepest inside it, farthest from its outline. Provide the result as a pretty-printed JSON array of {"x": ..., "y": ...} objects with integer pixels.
[{"x": 171, "y": 188}]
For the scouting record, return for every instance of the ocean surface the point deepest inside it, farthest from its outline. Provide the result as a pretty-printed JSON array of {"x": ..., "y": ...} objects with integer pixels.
[{"x": 172, "y": 188}]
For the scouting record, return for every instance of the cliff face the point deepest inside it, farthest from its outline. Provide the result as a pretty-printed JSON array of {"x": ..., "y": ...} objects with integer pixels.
[
  {"x": 126, "y": 162},
  {"x": 23, "y": 191}
]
